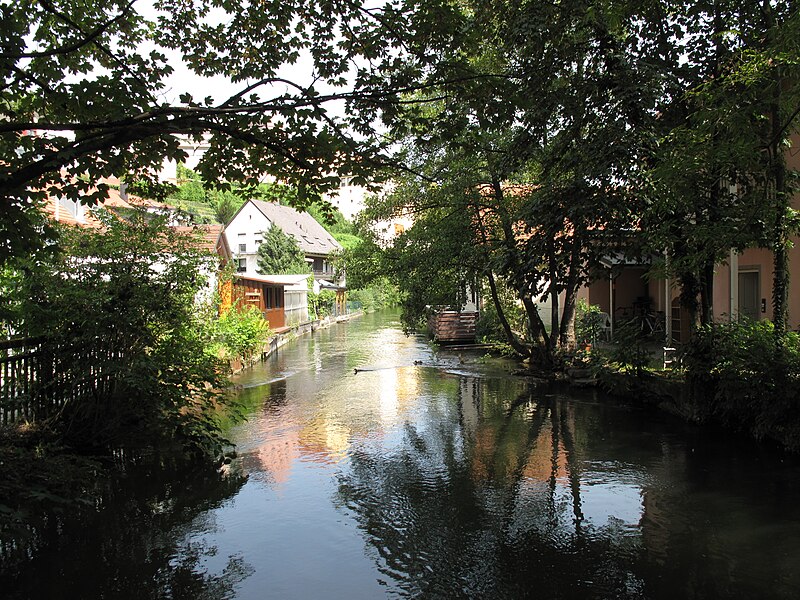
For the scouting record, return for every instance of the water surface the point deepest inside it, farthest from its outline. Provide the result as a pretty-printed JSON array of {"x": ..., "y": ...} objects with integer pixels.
[{"x": 377, "y": 467}]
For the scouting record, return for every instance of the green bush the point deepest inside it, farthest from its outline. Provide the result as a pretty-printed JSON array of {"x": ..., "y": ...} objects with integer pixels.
[
  {"x": 748, "y": 376},
  {"x": 321, "y": 304},
  {"x": 117, "y": 310},
  {"x": 381, "y": 294},
  {"x": 588, "y": 322},
  {"x": 488, "y": 329},
  {"x": 242, "y": 332},
  {"x": 628, "y": 350}
]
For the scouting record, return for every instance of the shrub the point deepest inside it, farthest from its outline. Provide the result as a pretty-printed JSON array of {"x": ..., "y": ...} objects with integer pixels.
[
  {"x": 117, "y": 310},
  {"x": 488, "y": 328},
  {"x": 323, "y": 303},
  {"x": 380, "y": 294},
  {"x": 628, "y": 350},
  {"x": 588, "y": 322},
  {"x": 241, "y": 332},
  {"x": 749, "y": 377}
]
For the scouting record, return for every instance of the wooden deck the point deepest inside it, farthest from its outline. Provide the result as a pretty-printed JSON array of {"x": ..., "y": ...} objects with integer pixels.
[{"x": 453, "y": 327}]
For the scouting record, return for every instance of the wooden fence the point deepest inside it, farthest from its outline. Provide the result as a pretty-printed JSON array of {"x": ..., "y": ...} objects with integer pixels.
[
  {"x": 37, "y": 378},
  {"x": 22, "y": 373}
]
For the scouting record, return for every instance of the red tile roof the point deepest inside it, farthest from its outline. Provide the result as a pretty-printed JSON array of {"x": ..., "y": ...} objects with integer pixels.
[{"x": 211, "y": 238}]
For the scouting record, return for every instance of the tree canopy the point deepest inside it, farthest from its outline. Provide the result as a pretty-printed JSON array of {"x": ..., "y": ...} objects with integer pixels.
[
  {"x": 279, "y": 254},
  {"x": 118, "y": 308},
  {"x": 83, "y": 96},
  {"x": 605, "y": 129}
]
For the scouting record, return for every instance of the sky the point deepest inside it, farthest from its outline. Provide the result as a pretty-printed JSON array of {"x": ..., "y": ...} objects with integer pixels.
[{"x": 184, "y": 80}]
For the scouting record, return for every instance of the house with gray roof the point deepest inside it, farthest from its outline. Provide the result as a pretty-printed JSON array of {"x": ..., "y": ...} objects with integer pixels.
[{"x": 248, "y": 226}]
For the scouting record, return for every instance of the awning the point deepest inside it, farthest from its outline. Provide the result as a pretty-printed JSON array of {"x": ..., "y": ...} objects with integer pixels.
[{"x": 276, "y": 279}]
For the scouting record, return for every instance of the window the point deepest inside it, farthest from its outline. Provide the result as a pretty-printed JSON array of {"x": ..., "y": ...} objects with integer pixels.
[
  {"x": 242, "y": 247},
  {"x": 241, "y": 265},
  {"x": 71, "y": 207}
]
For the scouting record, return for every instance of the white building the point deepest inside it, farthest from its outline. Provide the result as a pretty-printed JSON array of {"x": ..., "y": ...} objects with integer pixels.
[
  {"x": 246, "y": 231},
  {"x": 351, "y": 199},
  {"x": 194, "y": 153}
]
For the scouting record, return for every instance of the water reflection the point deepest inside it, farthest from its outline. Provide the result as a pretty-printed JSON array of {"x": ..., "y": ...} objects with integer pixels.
[
  {"x": 425, "y": 475},
  {"x": 463, "y": 483},
  {"x": 133, "y": 548},
  {"x": 485, "y": 497}
]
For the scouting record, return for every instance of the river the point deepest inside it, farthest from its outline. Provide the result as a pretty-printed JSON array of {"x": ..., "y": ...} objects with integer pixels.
[{"x": 374, "y": 466}]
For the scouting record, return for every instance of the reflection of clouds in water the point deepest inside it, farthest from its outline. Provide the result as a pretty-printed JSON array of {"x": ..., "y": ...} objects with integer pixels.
[
  {"x": 387, "y": 395},
  {"x": 612, "y": 491}
]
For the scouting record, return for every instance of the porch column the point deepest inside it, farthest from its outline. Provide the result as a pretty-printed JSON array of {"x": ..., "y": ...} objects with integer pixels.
[{"x": 668, "y": 311}]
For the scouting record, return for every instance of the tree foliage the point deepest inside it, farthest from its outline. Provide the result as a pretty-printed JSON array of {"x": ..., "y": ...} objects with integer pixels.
[
  {"x": 718, "y": 176},
  {"x": 117, "y": 310},
  {"x": 85, "y": 95},
  {"x": 587, "y": 130},
  {"x": 279, "y": 254},
  {"x": 519, "y": 173},
  {"x": 241, "y": 332}
]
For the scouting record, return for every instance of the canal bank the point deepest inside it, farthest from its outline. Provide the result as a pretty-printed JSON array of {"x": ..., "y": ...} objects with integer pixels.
[
  {"x": 699, "y": 402},
  {"x": 284, "y": 335}
]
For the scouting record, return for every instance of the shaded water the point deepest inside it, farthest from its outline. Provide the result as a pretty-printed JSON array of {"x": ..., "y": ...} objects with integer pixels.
[{"x": 444, "y": 479}]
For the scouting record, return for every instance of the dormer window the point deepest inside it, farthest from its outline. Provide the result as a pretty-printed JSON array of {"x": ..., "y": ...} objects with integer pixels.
[{"x": 72, "y": 207}]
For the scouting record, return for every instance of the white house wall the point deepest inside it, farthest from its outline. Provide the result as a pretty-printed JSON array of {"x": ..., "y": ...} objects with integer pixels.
[{"x": 247, "y": 229}]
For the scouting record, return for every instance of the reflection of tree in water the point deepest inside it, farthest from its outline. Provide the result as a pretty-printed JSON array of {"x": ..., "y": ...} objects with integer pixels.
[
  {"x": 133, "y": 548},
  {"x": 453, "y": 511}
]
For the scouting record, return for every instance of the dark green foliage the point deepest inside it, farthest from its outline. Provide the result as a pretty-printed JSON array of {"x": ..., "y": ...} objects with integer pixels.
[
  {"x": 717, "y": 178},
  {"x": 380, "y": 294},
  {"x": 279, "y": 254},
  {"x": 203, "y": 202},
  {"x": 117, "y": 310},
  {"x": 588, "y": 322},
  {"x": 488, "y": 328},
  {"x": 93, "y": 77},
  {"x": 629, "y": 350},
  {"x": 741, "y": 376},
  {"x": 331, "y": 219}
]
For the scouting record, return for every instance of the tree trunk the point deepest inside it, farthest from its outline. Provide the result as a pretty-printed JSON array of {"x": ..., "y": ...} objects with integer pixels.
[
  {"x": 541, "y": 351},
  {"x": 688, "y": 298},
  {"x": 537, "y": 330},
  {"x": 552, "y": 276},
  {"x": 567, "y": 326},
  {"x": 780, "y": 241},
  {"x": 519, "y": 347}
]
